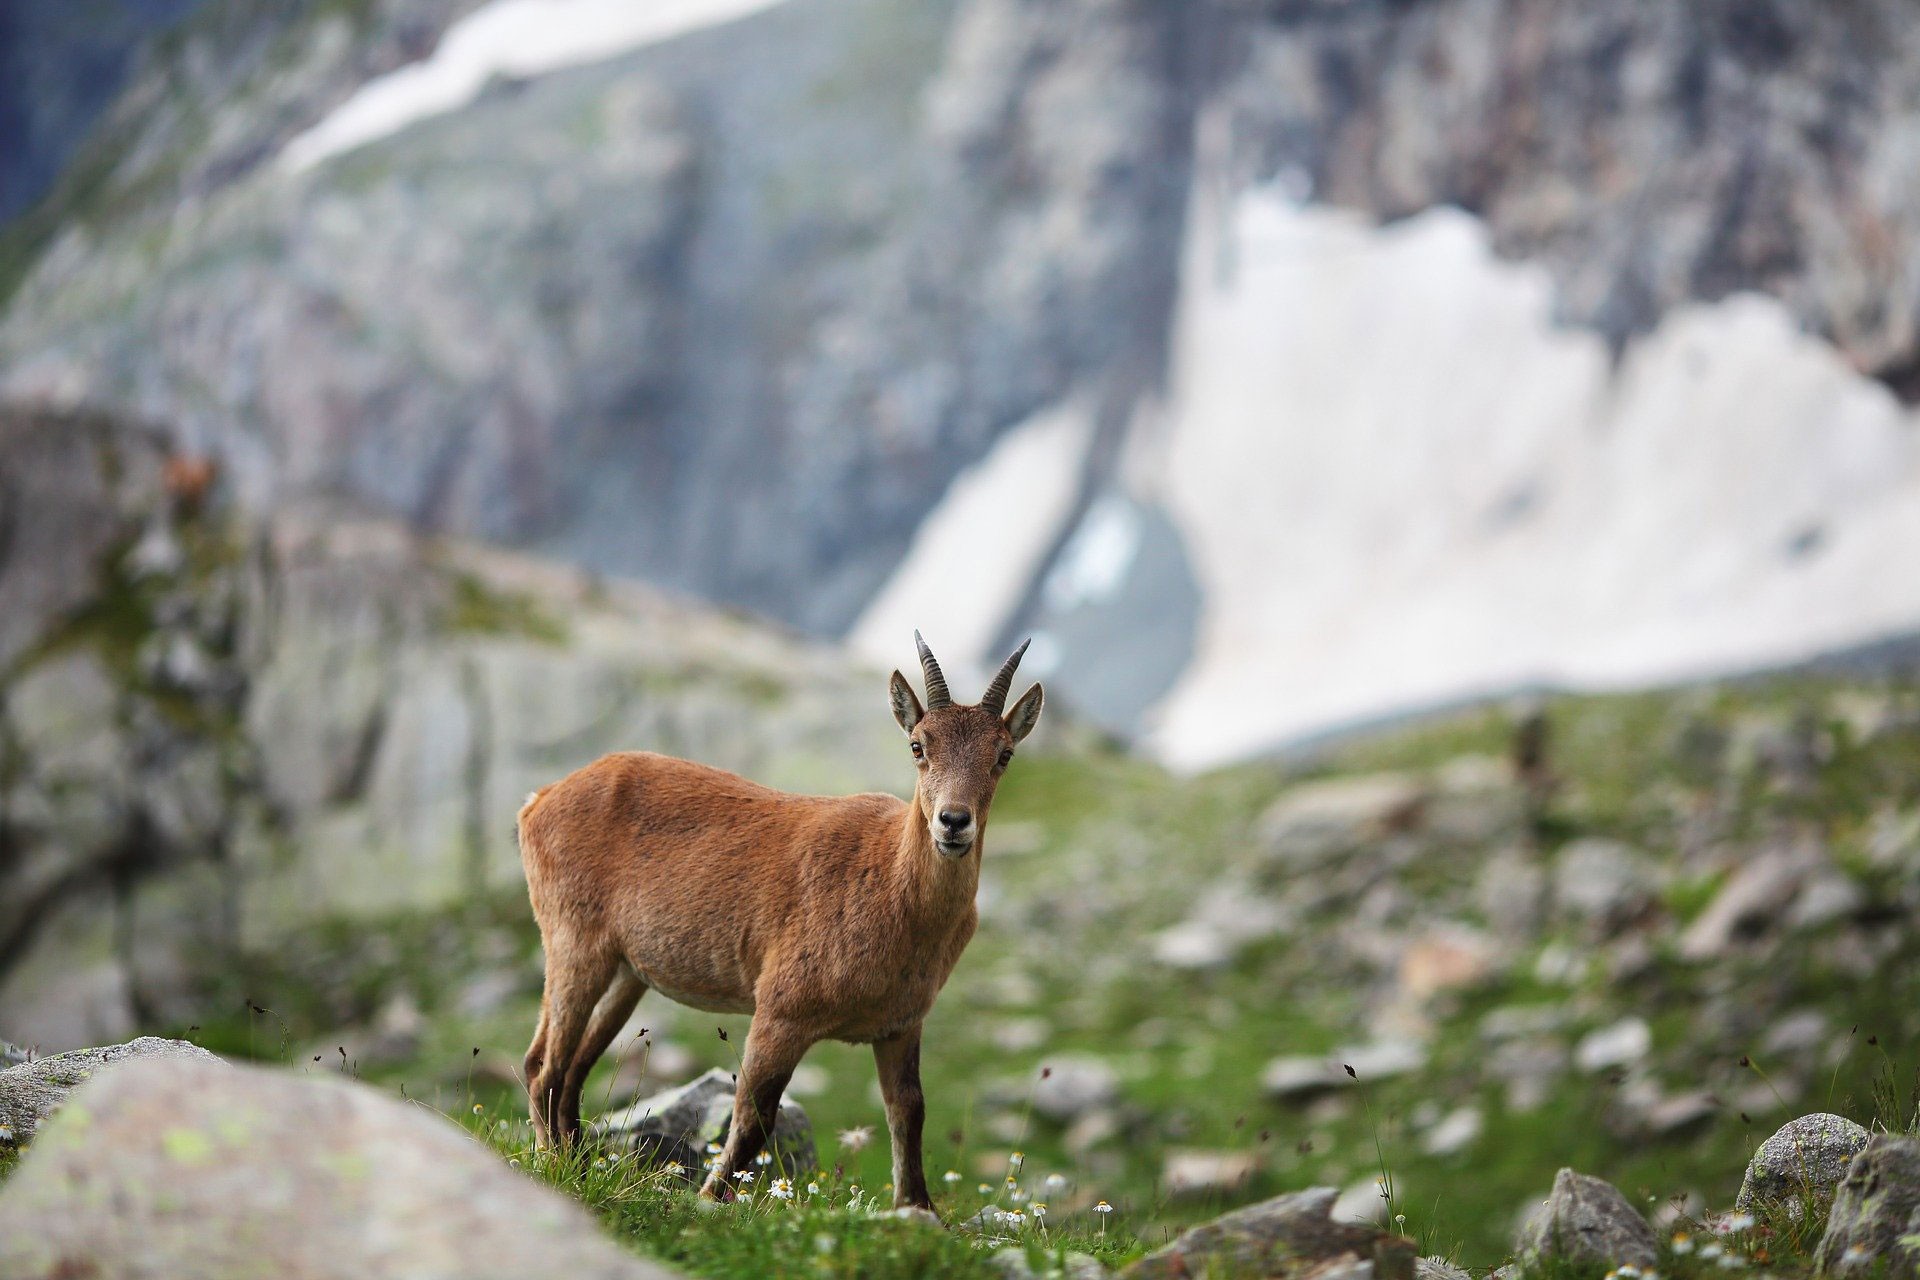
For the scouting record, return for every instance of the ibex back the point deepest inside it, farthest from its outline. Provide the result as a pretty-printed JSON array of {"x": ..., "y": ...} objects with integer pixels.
[{"x": 824, "y": 917}]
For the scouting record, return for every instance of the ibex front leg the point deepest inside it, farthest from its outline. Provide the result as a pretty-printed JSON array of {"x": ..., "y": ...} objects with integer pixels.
[
  {"x": 774, "y": 1049},
  {"x": 898, "y": 1061}
]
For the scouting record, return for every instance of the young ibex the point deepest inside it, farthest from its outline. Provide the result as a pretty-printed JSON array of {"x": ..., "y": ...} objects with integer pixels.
[{"x": 824, "y": 917}]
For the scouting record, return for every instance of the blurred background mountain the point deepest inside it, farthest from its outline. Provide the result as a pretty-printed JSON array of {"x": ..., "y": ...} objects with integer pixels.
[{"x": 405, "y": 400}]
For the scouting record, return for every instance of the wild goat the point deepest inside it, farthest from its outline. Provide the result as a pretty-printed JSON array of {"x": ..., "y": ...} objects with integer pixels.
[{"x": 825, "y": 917}]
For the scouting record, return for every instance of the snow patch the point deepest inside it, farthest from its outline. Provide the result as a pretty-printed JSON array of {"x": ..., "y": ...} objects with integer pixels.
[
  {"x": 504, "y": 38},
  {"x": 1401, "y": 485},
  {"x": 974, "y": 556}
]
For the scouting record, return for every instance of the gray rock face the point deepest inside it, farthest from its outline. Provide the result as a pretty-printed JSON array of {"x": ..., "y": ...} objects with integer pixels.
[
  {"x": 1874, "y": 1227},
  {"x": 367, "y": 712},
  {"x": 1291, "y": 1235},
  {"x": 192, "y": 1167},
  {"x": 677, "y": 1126},
  {"x": 32, "y": 1091},
  {"x": 1804, "y": 1160},
  {"x": 1586, "y": 1220}
]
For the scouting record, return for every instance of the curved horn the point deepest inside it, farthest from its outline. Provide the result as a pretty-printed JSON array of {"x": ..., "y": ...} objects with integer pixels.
[
  {"x": 995, "y": 698},
  {"x": 937, "y": 695}
]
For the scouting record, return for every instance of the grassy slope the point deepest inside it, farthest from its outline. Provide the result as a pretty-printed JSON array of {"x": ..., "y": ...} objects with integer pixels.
[{"x": 1115, "y": 850}]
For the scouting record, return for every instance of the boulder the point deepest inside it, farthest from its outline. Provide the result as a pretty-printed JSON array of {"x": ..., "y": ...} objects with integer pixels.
[
  {"x": 1586, "y": 1220},
  {"x": 1754, "y": 899},
  {"x": 1288, "y": 1236},
  {"x": 32, "y": 1091},
  {"x": 1071, "y": 1085},
  {"x": 677, "y": 1126},
  {"x": 1303, "y": 1075},
  {"x": 1604, "y": 882},
  {"x": 1194, "y": 1173},
  {"x": 1619, "y": 1044},
  {"x": 1805, "y": 1159},
  {"x": 1874, "y": 1227},
  {"x": 1316, "y": 822},
  {"x": 186, "y": 1166}
]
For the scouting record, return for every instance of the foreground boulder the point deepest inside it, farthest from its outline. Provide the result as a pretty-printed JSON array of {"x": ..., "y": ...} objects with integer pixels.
[
  {"x": 1288, "y": 1236},
  {"x": 1874, "y": 1227},
  {"x": 1586, "y": 1220},
  {"x": 1801, "y": 1164},
  {"x": 186, "y": 1166},
  {"x": 32, "y": 1091},
  {"x": 676, "y": 1127}
]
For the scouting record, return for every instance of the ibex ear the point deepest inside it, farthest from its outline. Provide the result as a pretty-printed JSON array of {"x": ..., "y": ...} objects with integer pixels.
[
  {"x": 1025, "y": 713},
  {"x": 906, "y": 703}
]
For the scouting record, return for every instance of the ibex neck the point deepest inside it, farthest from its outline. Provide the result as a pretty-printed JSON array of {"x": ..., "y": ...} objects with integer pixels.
[{"x": 931, "y": 882}]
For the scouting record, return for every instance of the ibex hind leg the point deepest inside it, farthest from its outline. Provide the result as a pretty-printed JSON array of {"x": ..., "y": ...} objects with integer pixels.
[
  {"x": 615, "y": 1007},
  {"x": 576, "y": 977}
]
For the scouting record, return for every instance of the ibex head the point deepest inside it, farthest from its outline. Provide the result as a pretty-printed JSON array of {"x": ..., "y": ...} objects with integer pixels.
[{"x": 961, "y": 751}]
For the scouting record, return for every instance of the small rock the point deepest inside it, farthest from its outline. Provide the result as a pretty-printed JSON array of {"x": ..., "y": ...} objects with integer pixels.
[
  {"x": 1318, "y": 821},
  {"x": 1753, "y": 899},
  {"x": 1072, "y": 1085},
  {"x": 1225, "y": 918},
  {"x": 1619, "y": 1045},
  {"x": 1364, "y": 1201},
  {"x": 1457, "y": 1130},
  {"x": 1874, "y": 1227},
  {"x": 1286, "y": 1237},
  {"x": 1605, "y": 882},
  {"x": 1585, "y": 1220},
  {"x": 1511, "y": 892},
  {"x": 1190, "y": 1173},
  {"x": 1446, "y": 959},
  {"x": 676, "y": 1127},
  {"x": 1797, "y": 1034},
  {"x": 1679, "y": 1112},
  {"x": 913, "y": 1213},
  {"x": 1825, "y": 898},
  {"x": 1431, "y": 1268},
  {"x": 1805, "y": 1159},
  {"x": 32, "y": 1091},
  {"x": 1301, "y": 1076}
]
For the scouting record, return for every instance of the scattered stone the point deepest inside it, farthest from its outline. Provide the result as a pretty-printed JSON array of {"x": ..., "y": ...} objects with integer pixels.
[
  {"x": 1316, "y": 822},
  {"x": 676, "y": 1127},
  {"x": 1072, "y": 1085},
  {"x": 1746, "y": 905},
  {"x": 1301, "y": 1076},
  {"x": 1446, "y": 959},
  {"x": 1286, "y": 1237},
  {"x": 32, "y": 1091},
  {"x": 1804, "y": 1160},
  {"x": 1191, "y": 1173},
  {"x": 1431, "y": 1268},
  {"x": 1679, "y": 1112},
  {"x": 1827, "y": 897},
  {"x": 1364, "y": 1201},
  {"x": 181, "y": 1165},
  {"x": 1011, "y": 1263},
  {"x": 1456, "y": 1131},
  {"x": 1585, "y": 1220},
  {"x": 1090, "y": 1130},
  {"x": 1511, "y": 892},
  {"x": 1226, "y": 917},
  {"x": 1796, "y": 1035},
  {"x": 1874, "y": 1227},
  {"x": 1605, "y": 882},
  {"x": 1620, "y": 1045},
  {"x": 1021, "y": 1035}
]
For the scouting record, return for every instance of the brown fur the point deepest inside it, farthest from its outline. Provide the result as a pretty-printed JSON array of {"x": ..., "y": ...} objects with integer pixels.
[{"x": 825, "y": 917}]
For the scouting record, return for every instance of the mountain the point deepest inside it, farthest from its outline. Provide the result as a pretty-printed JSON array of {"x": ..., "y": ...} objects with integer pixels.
[{"x": 1281, "y": 365}]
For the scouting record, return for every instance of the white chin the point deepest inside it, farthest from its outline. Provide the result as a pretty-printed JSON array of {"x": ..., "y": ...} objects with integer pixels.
[{"x": 950, "y": 849}]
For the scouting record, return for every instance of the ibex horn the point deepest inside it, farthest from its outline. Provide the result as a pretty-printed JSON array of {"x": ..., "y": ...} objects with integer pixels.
[
  {"x": 937, "y": 695},
  {"x": 995, "y": 698}
]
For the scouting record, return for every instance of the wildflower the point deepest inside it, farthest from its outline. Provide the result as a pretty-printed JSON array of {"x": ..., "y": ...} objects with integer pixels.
[
  {"x": 513, "y": 1164},
  {"x": 1855, "y": 1253},
  {"x": 713, "y": 1148},
  {"x": 823, "y": 1243},
  {"x": 950, "y": 1177},
  {"x": 813, "y": 1188},
  {"x": 782, "y": 1189},
  {"x": 1015, "y": 1160},
  {"x": 1016, "y": 1195},
  {"x": 984, "y": 1189},
  {"x": 1735, "y": 1222},
  {"x": 764, "y": 1159},
  {"x": 477, "y": 1108},
  {"x": 856, "y": 1139},
  {"x": 1015, "y": 1218},
  {"x": 1103, "y": 1207},
  {"x": 1012, "y": 1182},
  {"x": 1039, "y": 1209},
  {"x": 853, "y": 1192},
  {"x": 1711, "y": 1250},
  {"x": 745, "y": 1197},
  {"x": 1731, "y": 1262},
  {"x": 744, "y": 1177},
  {"x": 1682, "y": 1243},
  {"x": 1056, "y": 1182}
]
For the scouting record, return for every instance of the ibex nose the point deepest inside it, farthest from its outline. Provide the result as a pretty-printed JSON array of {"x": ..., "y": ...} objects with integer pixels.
[{"x": 956, "y": 820}]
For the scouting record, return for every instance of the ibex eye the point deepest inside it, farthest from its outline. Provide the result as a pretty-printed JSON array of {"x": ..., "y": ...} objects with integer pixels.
[
  {"x": 918, "y": 753},
  {"x": 1005, "y": 757}
]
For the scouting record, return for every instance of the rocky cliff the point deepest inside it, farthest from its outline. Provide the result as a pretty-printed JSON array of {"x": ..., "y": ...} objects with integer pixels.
[{"x": 729, "y": 299}]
